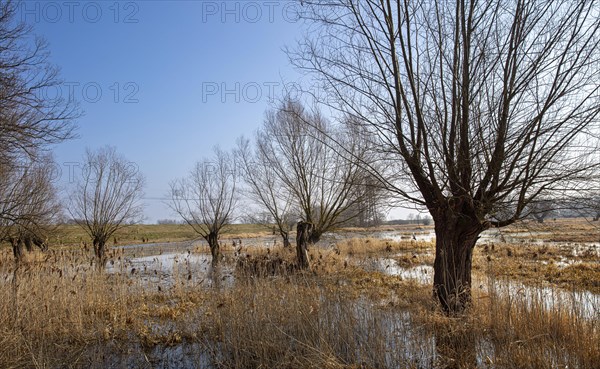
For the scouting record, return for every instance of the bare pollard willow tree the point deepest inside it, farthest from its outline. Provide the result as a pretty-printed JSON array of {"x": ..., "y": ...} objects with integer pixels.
[
  {"x": 107, "y": 197},
  {"x": 206, "y": 198},
  {"x": 292, "y": 172},
  {"x": 29, "y": 203},
  {"x": 486, "y": 105},
  {"x": 29, "y": 123},
  {"x": 297, "y": 146}
]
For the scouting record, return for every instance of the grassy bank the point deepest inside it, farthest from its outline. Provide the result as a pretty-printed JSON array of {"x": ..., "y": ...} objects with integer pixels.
[
  {"x": 576, "y": 230},
  {"x": 73, "y": 235}
]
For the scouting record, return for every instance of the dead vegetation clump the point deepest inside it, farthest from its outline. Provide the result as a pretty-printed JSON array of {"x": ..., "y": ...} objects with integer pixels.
[
  {"x": 264, "y": 266},
  {"x": 537, "y": 329},
  {"x": 381, "y": 247}
]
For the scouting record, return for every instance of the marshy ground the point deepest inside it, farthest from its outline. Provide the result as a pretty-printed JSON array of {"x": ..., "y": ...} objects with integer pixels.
[{"x": 366, "y": 303}]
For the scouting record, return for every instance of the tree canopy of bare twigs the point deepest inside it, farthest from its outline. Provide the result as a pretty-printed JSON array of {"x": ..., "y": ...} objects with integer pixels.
[
  {"x": 29, "y": 123},
  {"x": 107, "y": 197},
  {"x": 296, "y": 147},
  {"x": 264, "y": 187},
  {"x": 29, "y": 202},
  {"x": 484, "y": 105},
  {"x": 206, "y": 199},
  {"x": 29, "y": 119}
]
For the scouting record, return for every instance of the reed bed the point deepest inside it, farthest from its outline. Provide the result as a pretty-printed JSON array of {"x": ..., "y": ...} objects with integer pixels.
[{"x": 57, "y": 310}]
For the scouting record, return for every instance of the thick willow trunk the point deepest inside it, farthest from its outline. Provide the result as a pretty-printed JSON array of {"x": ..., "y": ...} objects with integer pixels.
[
  {"x": 27, "y": 240},
  {"x": 286, "y": 239},
  {"x": 215, "y": 250},
  {"x": 100, "y": 252},
  {"x": 455, "y": 241},
  {"x": 315, "y": 235},
  {"x": 17, "y": 247},
  {"x": 303, "y": 236}
]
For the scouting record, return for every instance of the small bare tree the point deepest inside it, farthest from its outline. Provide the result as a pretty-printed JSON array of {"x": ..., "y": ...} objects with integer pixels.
[
  {"x": 541, "y": 209},
  {"x": 207, "y": 198},
  {"x": 107, "y": 197},
  {"x": 596, "y": 209}
]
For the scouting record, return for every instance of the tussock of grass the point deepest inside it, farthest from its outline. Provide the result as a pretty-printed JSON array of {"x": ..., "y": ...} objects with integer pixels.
[{"x": 535, "y": 333}]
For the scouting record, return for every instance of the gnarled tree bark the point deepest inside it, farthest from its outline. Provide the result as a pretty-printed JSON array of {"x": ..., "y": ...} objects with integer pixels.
[
  {"x": 456, "y": 236},
  {"x": 303, "y": 236},
  {"x": 215, "y": 250}
]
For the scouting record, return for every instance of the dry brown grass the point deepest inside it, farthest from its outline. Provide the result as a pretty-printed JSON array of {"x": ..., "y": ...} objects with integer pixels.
[
  {"x": 408, "y": 228},
  {"x": 376, "y": 246},
  {"x": 56, "y": 308},
  {"x": 63, "y": 313},
  {"x": 534, "y": 264},
  {"x": 558, "y": 230},
  {"x": 537, "y": 331},
  {"x": 531, "y": 263},
  {"x": 406, "y": 253},
  {"x": 73, "y": 235}
]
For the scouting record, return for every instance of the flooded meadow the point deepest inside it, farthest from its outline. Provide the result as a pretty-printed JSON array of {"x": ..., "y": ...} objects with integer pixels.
[{"x": 366, "y": 303}]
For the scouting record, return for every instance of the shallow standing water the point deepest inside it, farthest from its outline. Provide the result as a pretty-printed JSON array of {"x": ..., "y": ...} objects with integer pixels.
[
  {"x": 166, "y": 267},
  {"x": 404, "y": 339},
  {"x": 584, "y": 304}
]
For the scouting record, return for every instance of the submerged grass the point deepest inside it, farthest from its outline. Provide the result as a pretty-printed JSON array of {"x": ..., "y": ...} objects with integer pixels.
[{"x": 550, "y": 264}]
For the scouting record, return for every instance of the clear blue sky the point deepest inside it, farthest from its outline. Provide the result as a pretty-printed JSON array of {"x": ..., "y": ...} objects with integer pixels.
[{"x": 165, "y": 81}]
